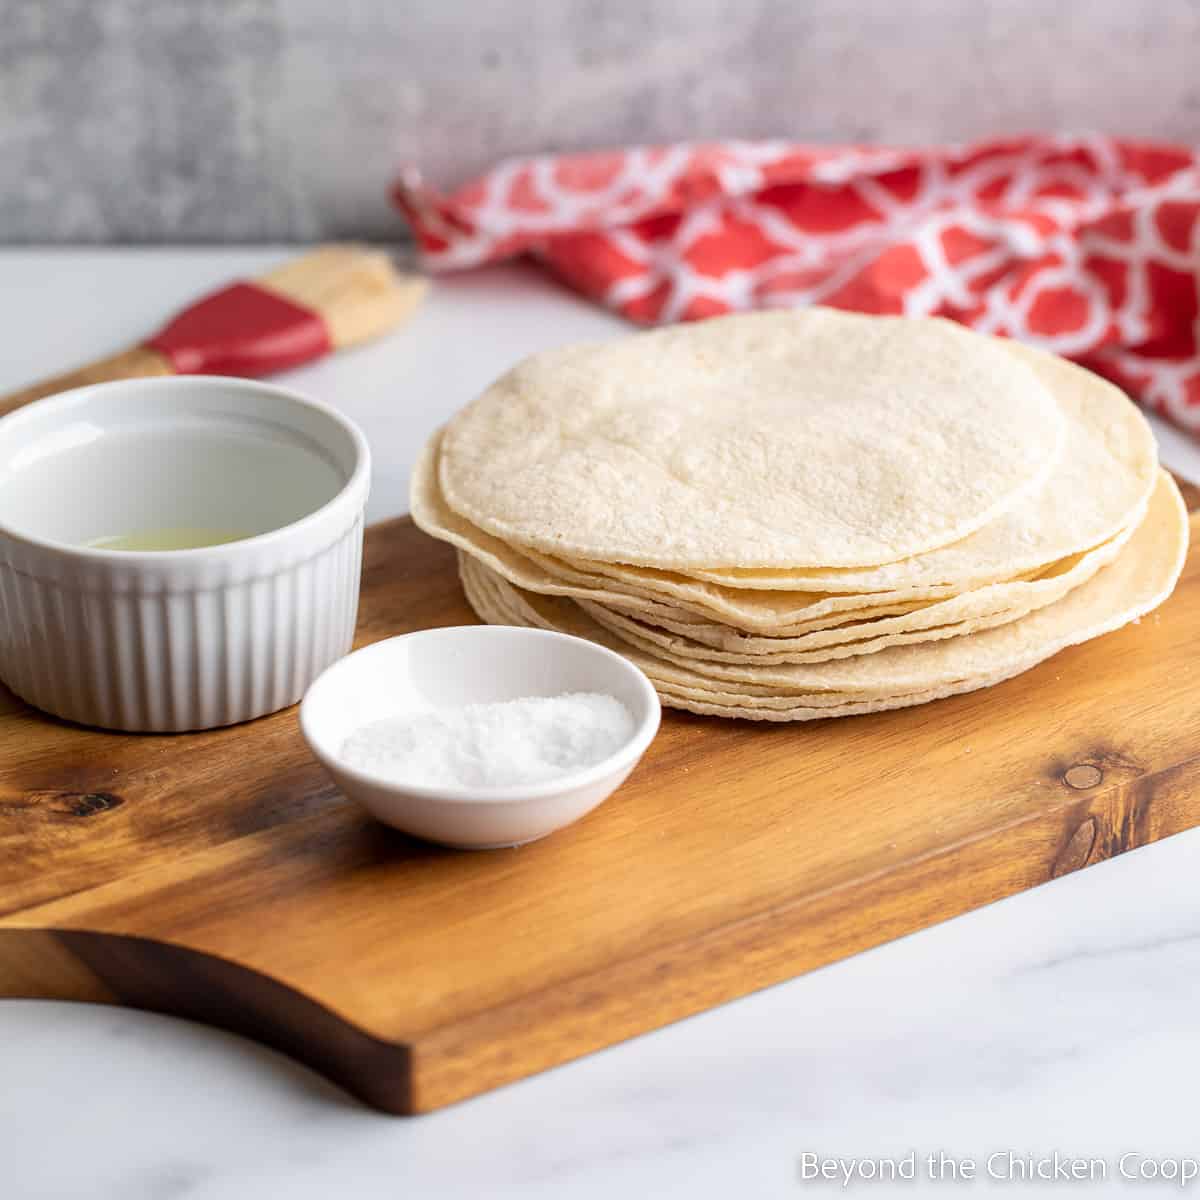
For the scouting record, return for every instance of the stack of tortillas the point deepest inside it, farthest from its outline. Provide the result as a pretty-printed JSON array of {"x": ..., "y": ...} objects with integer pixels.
[{"x": 793, "y": 515}]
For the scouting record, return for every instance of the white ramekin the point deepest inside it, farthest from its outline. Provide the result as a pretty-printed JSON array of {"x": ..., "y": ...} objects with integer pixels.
[
  {"x": 179, "y": 639},
  {"x": 474, "y": 664}
]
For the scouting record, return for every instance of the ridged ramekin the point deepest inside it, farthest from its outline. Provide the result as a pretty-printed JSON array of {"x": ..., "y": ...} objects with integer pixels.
[{"x": 177, "y": 639}]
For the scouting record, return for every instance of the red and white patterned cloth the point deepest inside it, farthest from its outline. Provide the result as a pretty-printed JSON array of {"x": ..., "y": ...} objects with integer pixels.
[{"x": 1087, "y": 246}]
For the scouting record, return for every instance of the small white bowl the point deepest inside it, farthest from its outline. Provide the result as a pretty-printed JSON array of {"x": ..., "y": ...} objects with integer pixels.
[
  {"x": 170, "y": 640},
  {"x": 474, "y": 664}
]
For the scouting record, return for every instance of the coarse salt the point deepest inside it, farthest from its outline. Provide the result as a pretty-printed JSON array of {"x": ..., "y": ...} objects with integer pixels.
[{"x": 493, "y": 745}]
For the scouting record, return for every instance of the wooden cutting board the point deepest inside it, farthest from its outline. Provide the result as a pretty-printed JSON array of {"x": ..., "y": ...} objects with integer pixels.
[{"x": 220, "y": 876}]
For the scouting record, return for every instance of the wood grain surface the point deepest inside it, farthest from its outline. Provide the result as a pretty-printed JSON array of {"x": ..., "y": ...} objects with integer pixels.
[{"x": 221, "y": 876}]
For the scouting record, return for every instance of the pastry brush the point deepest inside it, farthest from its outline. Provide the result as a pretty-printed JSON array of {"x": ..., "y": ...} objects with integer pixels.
[{"x": 333, "y": 297}]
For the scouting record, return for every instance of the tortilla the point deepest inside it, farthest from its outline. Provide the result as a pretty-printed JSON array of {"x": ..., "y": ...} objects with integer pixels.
[
  {"x": 504, "y": 607},
  {"x": 781, "y": 439},
  {"x": 744, "y": 704},
  {"x": 985, "y": 608},
  {"x": 762, "y": 612},
  {"x": 752, "y": 710},
  {"x": 1100, "y": 485},
  {"x": 1140, "y": 578}
]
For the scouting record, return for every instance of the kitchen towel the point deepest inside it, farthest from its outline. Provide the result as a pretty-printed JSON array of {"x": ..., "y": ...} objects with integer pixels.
[{"x": 1087, "y": 246}]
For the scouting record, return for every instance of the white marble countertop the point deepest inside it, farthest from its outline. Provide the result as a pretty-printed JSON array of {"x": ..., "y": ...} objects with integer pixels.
[{"x": 1065, "y": 1020}]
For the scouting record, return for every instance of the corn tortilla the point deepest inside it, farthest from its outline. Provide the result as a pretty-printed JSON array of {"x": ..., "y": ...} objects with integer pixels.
[{"x": 780, "y": 439}]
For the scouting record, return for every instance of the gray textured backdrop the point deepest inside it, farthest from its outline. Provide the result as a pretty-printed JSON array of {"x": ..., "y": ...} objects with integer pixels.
[{"x": 152, "y": 120}]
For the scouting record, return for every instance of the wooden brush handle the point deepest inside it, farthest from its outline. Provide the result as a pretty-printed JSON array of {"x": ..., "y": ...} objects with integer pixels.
[{"x": 129, "y": 364}]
